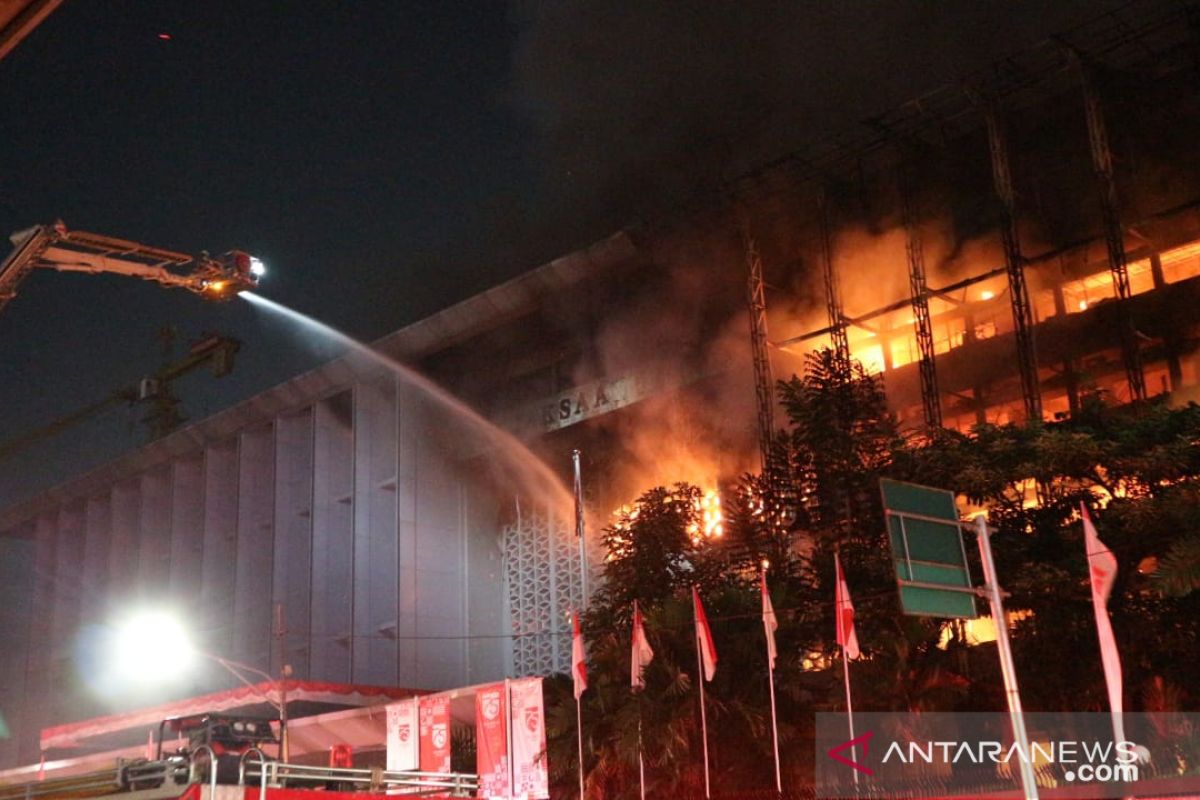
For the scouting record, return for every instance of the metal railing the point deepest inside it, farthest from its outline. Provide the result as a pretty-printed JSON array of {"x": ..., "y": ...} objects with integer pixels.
[
  {"x": 413, "y": 783},
  {"x": 254, "y": 769}
]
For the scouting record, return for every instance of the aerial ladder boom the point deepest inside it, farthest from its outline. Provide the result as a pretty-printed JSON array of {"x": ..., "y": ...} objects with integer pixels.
[{"x": 54, "y": 247}]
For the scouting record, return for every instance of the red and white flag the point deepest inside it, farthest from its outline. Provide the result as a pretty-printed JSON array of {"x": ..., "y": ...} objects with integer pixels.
[
  {"x": 708, "y": 650},
  {"x": 770, "y": 624},
  {"x": 641, "y": 653},
  {"x": 846, "y": 635},
  {"x": 1102, "y": 566},
  {"x": 578, "y": 658}
]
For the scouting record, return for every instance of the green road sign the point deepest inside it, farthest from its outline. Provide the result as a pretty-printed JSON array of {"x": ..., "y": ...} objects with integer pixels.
[{"x": 927, "y": 549}]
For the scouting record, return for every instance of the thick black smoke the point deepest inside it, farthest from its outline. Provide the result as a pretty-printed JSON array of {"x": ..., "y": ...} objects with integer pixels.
[{"x": 637, "y": 104}]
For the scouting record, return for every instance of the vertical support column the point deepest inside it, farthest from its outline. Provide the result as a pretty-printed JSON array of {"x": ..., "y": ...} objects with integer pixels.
[
  {"x": 409, "y": 410},
  {"x": 253, "y": 593},
  {"x": 439, "y": 569},
  {"x": 764, "y": 382},
  {"x": 16, "y": 587},
  {"x": 123, "y": 556},
  {"x": 375, "y": 531},
  {"x": 333, "y": 535},
  {"x": 931, "y": 401},
  {"x": 1114, "y": 236},
  {"x": 187, "y": 531},
  {"x": 1022, "y": 309},
  {"x": 833, "y": 295},
  {"x": 63, "y": 704},
  {"x": 486, "y": 650},
  {"x": 94, "y": 581},
  {"x": 40, "y": 654},
  {"x": 154, "y": 535},
  {"x": 219, "y": 565},
  {"x": 294, "y": 540}
]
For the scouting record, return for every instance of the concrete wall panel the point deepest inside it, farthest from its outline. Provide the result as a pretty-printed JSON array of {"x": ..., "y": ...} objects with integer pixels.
[
  {"x": 333, "y": 538},
  {"x": 294, "y": 539},
  {"x": 187, "y": 532},
  {"x": 123, "y": 553},
  {"x": 375, "y": 532},
  {"x": 253, "y": 593},
  {"x": 154, "y": 535},
  {"x": 219, "y": 568}
]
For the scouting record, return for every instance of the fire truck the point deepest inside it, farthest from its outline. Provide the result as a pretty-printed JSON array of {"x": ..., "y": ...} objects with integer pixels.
[{"x": 225, "y": 757}]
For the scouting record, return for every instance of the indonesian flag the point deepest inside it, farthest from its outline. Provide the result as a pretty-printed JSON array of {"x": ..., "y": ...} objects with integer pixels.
[
  {"x": 770, "y": 624},
  {"x": 641, "y": 653},
  {"x": 578, "y": 658},
  {"x": 1102, "y": 566},
  {"x": 846, "y": 635},
  {"x": 708, "y": 651}
]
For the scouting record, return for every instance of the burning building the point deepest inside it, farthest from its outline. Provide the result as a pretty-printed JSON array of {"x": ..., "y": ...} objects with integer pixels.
[{"x": 1007, "y": 248}]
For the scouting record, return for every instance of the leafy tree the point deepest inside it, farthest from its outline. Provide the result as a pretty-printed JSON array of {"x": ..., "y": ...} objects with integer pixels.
[{"x": 1138, "y": 469}]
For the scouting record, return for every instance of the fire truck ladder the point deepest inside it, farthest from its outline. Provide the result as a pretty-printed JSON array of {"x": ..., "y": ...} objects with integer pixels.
[
  {"x": 54, "y": 247},
  {"x": 1113, "y": 234}
]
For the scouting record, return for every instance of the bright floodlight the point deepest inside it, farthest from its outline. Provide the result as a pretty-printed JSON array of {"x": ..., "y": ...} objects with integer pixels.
[
  {"x": 257, "y": 267},
  {"x": 151, "y": 646}
]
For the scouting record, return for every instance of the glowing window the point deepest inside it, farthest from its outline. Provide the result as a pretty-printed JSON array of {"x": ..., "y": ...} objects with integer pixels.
[
  {"x": 871, "y": 357},
  {"x": 985, "y": 328},
  {"x": 904, "y": 350},
  {"x": 1181, "y": 263},
  {"x": 1084, "y": 293},
  {"x": 1141, "y": 277},
  {"x": 948, "y": 333},
  {"x": 1043, "y": 305}
]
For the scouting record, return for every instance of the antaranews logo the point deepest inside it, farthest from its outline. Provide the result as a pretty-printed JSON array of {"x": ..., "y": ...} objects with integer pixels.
[
  {"x": 852, "y": 745},
  {"x": 903, "y": 755}
]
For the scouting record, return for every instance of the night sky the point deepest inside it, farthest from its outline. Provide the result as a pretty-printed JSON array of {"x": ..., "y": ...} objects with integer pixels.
[{"x": 388, "y": 158}]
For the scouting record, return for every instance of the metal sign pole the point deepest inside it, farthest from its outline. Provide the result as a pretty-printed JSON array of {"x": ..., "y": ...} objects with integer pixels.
[
  {"x": 992, "y": 589},
  {"x": 580, "y": 530}
]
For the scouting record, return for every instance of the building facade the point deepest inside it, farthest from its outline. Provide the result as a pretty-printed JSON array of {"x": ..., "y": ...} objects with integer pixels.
[{"x": 351, "y": 526}]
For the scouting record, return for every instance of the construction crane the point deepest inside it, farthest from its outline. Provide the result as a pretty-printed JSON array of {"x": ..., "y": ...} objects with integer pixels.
[
  {"x": 54, "y": 247},
  {"x": 212, "y": 351}
]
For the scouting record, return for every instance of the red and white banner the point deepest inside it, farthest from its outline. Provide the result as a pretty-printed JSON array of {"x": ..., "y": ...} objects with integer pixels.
[
  {"x": 847, "y": 637},
  {"x": 640, "y": 654},
  {"x": 435, "y": 733},
  {"x": 1102, "y": 566},
  {"x": 491, "y": 741},
  {"x": 530, "y": 777},
  {"x": 708, "y": 649},
  {"x": 770, "y": 623},
  {"x": 578, "y": 658},
  {"x": 402, "y": 750}
]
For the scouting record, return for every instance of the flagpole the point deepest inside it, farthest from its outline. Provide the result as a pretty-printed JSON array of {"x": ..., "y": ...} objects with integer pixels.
[
  {"x": 579, "y": 530},
  {"x": 637, "y": 684},
  {"x": 771, "y": 684},
  {"x": 1007, "y": 668},
  {"x": 849, "y": 709},
  {"x": 641, "y": 762},
  {"x": 844, "y": 637},
  {"x": 1110, "y": 659},
  {"x": 700, "y": 680},
  {"x": 579, "y": 729}
]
